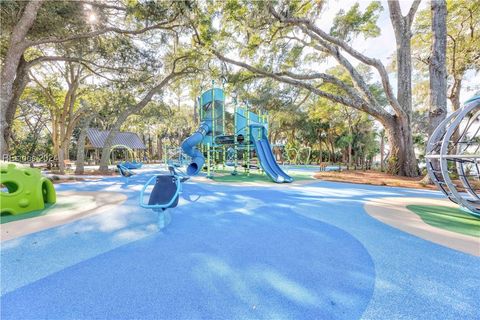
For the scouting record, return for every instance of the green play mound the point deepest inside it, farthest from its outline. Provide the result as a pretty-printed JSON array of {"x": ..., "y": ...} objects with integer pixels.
[
  {"x": 226, "y": 176},
  {"x": 451, "y": 219}
]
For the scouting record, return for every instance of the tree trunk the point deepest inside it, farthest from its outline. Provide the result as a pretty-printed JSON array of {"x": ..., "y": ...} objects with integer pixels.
[
  {"x": 106, "y": 150},
  {"x": 455, "y": 93},
  {"x": 382, "y": 152},
  {"x": 150, "y": 147},
  {"x": 438, "y": 70},
  {"x": 349, "y": 150},
  {"x": 159, "y": 148},
  {"x": 404, "y": 64},
  {"x": 334, "y": 156},
  {"x": 66, "y": 149},
  {"x": 19, "y": 85},
  {"x": 55, "y": 139},
  {"x": 61, "y": 159},
  {"x": 437, "y": 66},
  {"x": 145, "y": 144},
  {"x": 402, "y": 159},
  {"x": 320, "y": 148},
  {"x": 16, "y": 47},
  {"x": 80, "y": 162}
]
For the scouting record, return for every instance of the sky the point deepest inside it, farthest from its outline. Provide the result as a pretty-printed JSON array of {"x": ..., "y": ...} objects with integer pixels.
[
  {"x": 380, "y": 47},
  {"x": 383, "y": 47}
]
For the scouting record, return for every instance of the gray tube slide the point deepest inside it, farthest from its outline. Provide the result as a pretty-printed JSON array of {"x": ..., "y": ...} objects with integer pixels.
[{"x": 189, "y": 147}]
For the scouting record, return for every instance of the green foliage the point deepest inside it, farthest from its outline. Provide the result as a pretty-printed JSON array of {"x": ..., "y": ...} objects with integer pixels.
[
  {"x": 348, "y": 25},
  {"x": 30, "y": 131},
  {"x": 54, "y": 19},
  {"x": 123, "y": 68},
  {"x": 463, "y": 29}
]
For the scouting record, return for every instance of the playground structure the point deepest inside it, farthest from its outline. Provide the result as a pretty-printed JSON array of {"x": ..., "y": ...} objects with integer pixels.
[
  {"x": 126, "y": 164},
  {"x": 294, "y": 156},
  {"x": 27, "y": 190},
  {"x": 238, "y": 149},
  {"x": 174, "y": 156},
  {"x": 131, "y": 164},
  {"x": 453, "y": 152},
  {"x": 125, "y": 172}
]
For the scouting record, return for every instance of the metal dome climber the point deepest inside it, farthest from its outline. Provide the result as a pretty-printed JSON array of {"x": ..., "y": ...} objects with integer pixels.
[{"x": 453, "y": 151}]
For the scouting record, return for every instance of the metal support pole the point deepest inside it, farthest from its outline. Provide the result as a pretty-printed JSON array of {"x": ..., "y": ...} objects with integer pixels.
[
  {"x": 235, "y": 134},
  {"x": 248, "y": 135},
  {"x": 223, "y": 122},
  {"x": 208, "y": 161},
  {"x": 259, "y": 137},
  {"x": 213, "y": 112},
  {"x": 201, "y": 106}
]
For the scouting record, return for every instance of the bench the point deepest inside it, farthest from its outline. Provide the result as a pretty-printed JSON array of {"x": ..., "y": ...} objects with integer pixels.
[
  {"x": 323, "y": 166},
  {"x": 68, "y": 163}
]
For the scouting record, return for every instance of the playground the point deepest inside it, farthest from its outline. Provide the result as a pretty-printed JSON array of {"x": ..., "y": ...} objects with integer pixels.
[
  {"x": 221, "y": 230},
  {"x": 180, "y": 160},
  {"x": 304, "y": 250}
]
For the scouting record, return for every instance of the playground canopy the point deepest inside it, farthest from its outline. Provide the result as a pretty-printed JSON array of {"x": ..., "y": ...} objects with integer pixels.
[{"x": 96, "y": 140}]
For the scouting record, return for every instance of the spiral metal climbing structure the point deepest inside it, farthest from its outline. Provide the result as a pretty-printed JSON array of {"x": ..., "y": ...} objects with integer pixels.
[{"x": 453, "y": 156}]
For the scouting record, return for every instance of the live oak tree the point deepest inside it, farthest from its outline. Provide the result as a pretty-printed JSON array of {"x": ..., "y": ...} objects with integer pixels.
[
  {"x": 462, "y": 38},
  {"x": 31, "y": 127},
  {"x": 99, "y": 30},
  {"x": 157, "y": 88},
  {"x": 178, "y": 60},
  {"x": 27, "y": 26},
  {"x": 65, "y": 111},
  {"x": 269, "y": 38}
]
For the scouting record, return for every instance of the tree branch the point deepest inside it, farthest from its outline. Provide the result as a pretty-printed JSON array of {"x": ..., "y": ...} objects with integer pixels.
[
  {"x": 161, "y": 25},
  {"x": 325, "y": 77},
  {"x": 314, "y": 32},
  {"x": 354, "y": 102},
  {"x": 412, "y": 12},
  {"x": 102, "y": 5},
  {"x": 396, "y": 17}
]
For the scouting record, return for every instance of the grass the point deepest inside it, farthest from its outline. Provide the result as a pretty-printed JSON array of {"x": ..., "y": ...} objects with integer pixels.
[{"x": 451, "y": 219}]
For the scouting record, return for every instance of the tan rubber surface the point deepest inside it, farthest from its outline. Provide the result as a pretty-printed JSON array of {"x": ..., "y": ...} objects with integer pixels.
[
  {"x": 394, "y": 212},
  {"x": 70, "y": 206}
]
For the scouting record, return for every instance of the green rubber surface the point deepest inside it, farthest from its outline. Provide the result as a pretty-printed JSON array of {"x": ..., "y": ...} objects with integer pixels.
[
  {"x": 451, "y": 219},
  {"x": 75, "y": 203},
  {"x": 5, "y": 218},
  {"x": 255, "y": 176}
]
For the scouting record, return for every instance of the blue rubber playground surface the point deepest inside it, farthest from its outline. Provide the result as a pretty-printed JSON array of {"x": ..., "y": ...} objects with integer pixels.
[{"x": 300, "y": 251}]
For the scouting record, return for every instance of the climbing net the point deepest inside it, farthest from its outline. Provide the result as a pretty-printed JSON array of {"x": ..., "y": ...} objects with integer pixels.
[
  {"x": 174, "y": 156},
  {"x": 453, "y": 156},
  {"x": 294, "y": 156}
]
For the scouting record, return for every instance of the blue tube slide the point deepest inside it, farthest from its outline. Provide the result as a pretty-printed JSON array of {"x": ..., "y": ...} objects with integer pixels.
[{"x": 189, "y": 147}]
